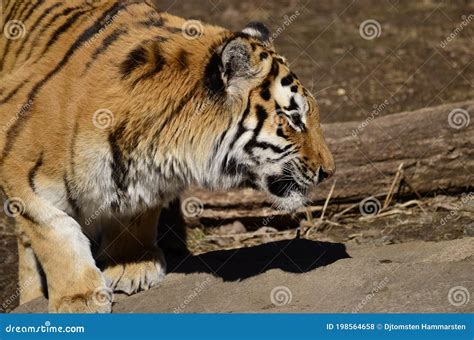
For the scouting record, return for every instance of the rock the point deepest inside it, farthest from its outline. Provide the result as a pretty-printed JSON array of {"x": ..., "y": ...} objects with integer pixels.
[{"x": 232, "y": 228}]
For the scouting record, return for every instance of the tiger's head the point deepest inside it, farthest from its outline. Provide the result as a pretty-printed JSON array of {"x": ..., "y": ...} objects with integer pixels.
[{"x": 274, "y": 140}]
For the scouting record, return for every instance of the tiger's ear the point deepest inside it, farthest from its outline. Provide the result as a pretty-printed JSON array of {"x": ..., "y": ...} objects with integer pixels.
[
  {"x": 241, "y": 68},
  {"x": 258, "y": 31}
]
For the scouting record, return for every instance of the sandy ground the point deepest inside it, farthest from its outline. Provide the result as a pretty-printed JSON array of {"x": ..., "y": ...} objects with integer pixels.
[{"x": 308, "y": 276}]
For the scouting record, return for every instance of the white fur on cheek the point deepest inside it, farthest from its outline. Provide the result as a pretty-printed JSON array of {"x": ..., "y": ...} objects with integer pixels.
[{"x": 283, "y": 94}]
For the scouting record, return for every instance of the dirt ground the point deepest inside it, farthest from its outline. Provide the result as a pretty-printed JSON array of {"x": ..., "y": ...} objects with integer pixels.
[{"x": 405, "y": 65}]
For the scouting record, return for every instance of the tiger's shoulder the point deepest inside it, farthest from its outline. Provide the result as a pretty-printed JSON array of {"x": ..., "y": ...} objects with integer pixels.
[{"x": 90, "y": 53}]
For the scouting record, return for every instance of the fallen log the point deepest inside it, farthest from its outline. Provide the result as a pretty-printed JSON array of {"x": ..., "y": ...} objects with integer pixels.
[{"x": 435, "y": 146}]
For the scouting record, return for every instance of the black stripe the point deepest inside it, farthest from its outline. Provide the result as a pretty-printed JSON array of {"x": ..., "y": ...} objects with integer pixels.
[
  {"x": 72, "y": 147},
  {"x": 152, "y": 22},
  {"x": 30, "y": 12},
  {"x": 35, "y": 24},
  {"x": 118, "y": 166},
  {"x": 8, "y": 44},
  {"x": 136, "y": 58},
  {"x": 173, "y": 114},
  {"x": 288, "y": 80},
  {"x": 293, "y": 105},
  {"x": 213, "y": 76},
  {"x": 13, "y": 92},
  {"x": 265, "y": 91},
  {"x": 34, "y": 170},
  {"x": 274, "y": 148},
  {"x": 241, "y": 129},
  {"x": 64, "y": 13},
  {"x": 261, "y": 117},
  {"x": 22, "y": 11},
  {"x": 158, "y": 61},
  {"x": 183, "y": 59},
  {"x": 274, "y": 70},
  {"x": 61, "y": 30},
  {"x": 69, "y": 196},
  {"x": 108, "y": 40},
  {"x": 11, "y": 14},
  {"x": 85, "y": 36}
]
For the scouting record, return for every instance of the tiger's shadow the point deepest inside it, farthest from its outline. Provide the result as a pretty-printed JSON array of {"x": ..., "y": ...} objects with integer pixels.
[{"x": 294, "y": 256}]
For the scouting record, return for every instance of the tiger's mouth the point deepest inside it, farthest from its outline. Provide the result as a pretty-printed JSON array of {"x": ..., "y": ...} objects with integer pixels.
[
  {"x": 283, "y": 186},
  {"x": 287, "y": 192}
]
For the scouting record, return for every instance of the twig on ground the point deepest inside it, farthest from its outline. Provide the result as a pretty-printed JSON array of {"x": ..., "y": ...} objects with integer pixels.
[
  {"x": 327, "y": 200},
  {"x": 395, "y": 183},
  {"x": 346, "y": 210}
]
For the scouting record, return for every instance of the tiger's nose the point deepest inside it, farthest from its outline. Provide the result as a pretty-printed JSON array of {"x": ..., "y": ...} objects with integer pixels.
[{"x": 322, "y": 174}]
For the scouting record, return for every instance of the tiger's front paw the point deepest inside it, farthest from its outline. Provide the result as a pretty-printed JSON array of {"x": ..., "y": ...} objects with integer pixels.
[
  {"x": 133, "y": 277},
  {"x": 98, "y": 300}
]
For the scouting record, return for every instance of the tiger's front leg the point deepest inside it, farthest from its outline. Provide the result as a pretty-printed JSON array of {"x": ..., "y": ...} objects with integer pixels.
[
  {"x": 128, "y": 254},
  {"x": 74, "y": 283}
]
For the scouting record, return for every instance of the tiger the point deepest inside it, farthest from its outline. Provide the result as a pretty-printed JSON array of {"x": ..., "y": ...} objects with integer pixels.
[{"x": 109, "y": 110}]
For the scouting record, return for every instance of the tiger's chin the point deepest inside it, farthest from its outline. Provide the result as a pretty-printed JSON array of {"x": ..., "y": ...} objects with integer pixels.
[{"x": 293, "y": 201}]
